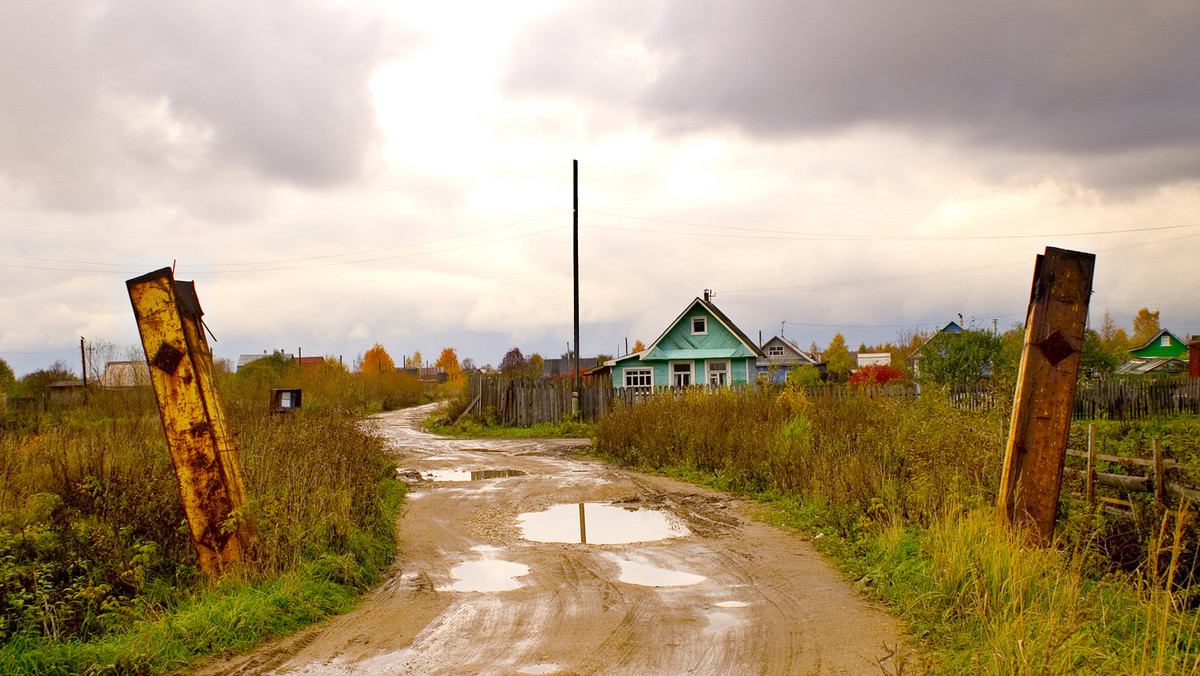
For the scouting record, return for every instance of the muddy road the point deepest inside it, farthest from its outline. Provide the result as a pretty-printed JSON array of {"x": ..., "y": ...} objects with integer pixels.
[{"x": 494, "y": 576}]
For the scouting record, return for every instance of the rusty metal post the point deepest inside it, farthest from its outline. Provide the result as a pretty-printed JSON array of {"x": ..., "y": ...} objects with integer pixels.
[
  {"x": 206, "y": 463},
  {"x": 1044, "y": 399}
]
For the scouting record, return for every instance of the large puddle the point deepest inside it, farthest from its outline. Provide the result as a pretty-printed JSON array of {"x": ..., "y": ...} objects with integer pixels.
[
  {"x": 487, "y": 575},
  {"x": 600, "y": 524},
  {"x": 646, "y": 575},
  {"x": 470, "y": 475}
]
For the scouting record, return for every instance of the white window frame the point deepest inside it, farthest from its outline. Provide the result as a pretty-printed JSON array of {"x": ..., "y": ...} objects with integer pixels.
[
  {"x": 640, "y": 372},
  {"x": 704, "y": 330},
  {"x": 1166, "y": 341},
  {"x": 726, "y": 370},
  {"x": 775, "y": 351},
  {"x": 691, "y": 373}
]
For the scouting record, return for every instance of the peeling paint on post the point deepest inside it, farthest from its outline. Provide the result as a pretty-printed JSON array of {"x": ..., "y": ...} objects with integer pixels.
[
  {"x": 1043, "y": 403},
  {"x": 206, "y": 463}
]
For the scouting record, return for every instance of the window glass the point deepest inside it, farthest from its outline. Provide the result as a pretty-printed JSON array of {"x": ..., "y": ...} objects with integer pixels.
[{"x": 699, "y": 324}]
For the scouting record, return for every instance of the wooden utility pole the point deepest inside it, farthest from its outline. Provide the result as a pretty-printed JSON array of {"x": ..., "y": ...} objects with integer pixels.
[
  {"x": 1045, "y": 396},
  {"x": 206, "y": 462},
  {"x": 83, "y": 360},
  {"x": 575, "y": 246}
]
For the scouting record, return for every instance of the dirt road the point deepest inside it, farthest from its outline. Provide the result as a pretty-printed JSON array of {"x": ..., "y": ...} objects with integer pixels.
[{"x": 492, "y": 578}]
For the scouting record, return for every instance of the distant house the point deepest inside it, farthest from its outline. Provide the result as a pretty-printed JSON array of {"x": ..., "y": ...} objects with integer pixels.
[
  {"x": 780, "y": 356},
  {"x": 1163, "y": 344},
  {"x": 1163, "y": 354},
  {"x": 701, "y": 347},
  {"x": 915, "y": 358},
  {"x": 873, "y": 359}
]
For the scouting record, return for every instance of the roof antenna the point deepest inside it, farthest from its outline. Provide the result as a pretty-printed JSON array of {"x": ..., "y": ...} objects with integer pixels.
[{"x": 708, "y": 293}]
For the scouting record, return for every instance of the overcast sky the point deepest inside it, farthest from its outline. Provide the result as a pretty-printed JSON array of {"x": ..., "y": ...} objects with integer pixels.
[{"x": 336, "y": 174}]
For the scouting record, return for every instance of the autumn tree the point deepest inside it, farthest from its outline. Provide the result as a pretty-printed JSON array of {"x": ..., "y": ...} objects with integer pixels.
[
  {"x": 536, "y": 365},
  {"x": 638, "y": 346},
  {"x": 416, "y": 361},
  {"x": 513, "y": 363},
  {"x": 377, "y": 360},
  {"x": 1145, "y": 325},
  {"x": 837, "y": 356},
  {"x": 448, "y": 362}
]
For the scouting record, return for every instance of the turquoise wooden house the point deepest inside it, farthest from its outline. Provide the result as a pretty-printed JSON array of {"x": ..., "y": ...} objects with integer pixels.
[{"x": 701, "y": 347}]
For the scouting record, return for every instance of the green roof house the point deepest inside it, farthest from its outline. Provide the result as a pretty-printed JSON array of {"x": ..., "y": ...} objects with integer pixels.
[
  {"x": 1164, "y": 344},
  {"x": 701, "y": 347}
]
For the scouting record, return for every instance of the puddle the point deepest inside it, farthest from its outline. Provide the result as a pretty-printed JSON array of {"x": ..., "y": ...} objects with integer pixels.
[
  {"x": 646, "y": 575},
  {"x": 476, "y": 475},
  {"x": 599, "y": 524},
  {"x": 544, "y": 668},
  {"x": 487, "y": 575},
  {"x": 731, "y": 604},
  {"x": 719, "y": 621}
]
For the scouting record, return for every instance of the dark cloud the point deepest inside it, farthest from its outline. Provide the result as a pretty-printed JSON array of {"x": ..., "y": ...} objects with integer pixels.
[
  {"x": 1092, "y": 81},
  {"x": 96, "y": 98}
]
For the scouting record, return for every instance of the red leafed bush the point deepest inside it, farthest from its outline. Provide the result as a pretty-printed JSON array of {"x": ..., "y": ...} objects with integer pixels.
[{"x": 877, "y": 374}]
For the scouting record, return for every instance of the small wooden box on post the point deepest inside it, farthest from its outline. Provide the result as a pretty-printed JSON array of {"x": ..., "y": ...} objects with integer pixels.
[
  {"x": 1045, "y": 394},
  {"x": 206, "y": 462}
]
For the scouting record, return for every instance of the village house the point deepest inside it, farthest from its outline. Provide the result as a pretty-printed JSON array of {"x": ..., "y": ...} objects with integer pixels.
[
  {"x": 1163, "y": 354},
  {"x": 781, "y": 356},
  {"x": 701, "y": 347}
]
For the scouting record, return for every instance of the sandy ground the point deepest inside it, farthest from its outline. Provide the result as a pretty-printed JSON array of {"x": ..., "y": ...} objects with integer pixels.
[{"x": 491, "y": 578}]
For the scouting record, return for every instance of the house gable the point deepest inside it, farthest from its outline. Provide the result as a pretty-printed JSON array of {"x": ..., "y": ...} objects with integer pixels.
[
  {"x": 701, "y": 343},
  {"x": 1164, "y": 344}
]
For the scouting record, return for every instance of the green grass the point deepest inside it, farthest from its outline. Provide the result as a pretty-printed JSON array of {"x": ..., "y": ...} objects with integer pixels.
[
  {"x": 465, "y": 427},
  {"x": 900, "y": 496}
]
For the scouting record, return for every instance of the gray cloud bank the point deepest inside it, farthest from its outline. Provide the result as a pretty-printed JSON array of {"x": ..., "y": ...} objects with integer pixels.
[
  {"x": 100, "y": 100},
  {"x": 1110, "y": 82}
]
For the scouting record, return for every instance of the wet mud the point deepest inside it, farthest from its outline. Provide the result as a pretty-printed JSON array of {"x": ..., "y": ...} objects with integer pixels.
[{"x": 525, "y": 557}]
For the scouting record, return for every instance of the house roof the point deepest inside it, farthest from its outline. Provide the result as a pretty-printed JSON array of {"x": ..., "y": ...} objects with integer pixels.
[
  {"x": 796, "y": 356},
  {"x": 1157, "y": 364},
  {"x": 1155, "y": 338},
  {"x": 720, "y": 317}
]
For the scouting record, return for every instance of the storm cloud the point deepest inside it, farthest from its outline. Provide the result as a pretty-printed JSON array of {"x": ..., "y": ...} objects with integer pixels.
[
  {"x": 96, "y": 94},
  {"x": 1111, "y": 83}
]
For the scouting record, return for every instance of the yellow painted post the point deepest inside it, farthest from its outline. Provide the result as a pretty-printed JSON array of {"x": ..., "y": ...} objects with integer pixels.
[
  {"x": 1045, "y": 395},
  {"x": 207, "y": 467}
]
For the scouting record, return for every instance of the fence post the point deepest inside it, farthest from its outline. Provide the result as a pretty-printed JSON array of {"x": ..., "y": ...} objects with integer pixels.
[
  {"x": 1091, "y": 465},
  {"x": 1158, "y": 474},
  {"x": 1044, "y": 400}
]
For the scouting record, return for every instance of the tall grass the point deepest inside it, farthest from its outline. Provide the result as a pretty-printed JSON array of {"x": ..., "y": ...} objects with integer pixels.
[
  {"x": 94, "y": 547},
  {"x": 900, "y": 492}
]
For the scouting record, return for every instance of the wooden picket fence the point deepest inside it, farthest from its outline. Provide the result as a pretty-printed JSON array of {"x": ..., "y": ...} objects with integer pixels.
[
  {"x": 1134, "y": 399},
  {"x": 521, "y": 401}
]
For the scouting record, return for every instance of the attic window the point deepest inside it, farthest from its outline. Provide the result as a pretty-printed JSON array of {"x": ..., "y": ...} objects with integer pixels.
[
  {"x": 699, "y": 325},
  {"x": 775, "y": 351},
  {"x": 1166, "y": 341}
]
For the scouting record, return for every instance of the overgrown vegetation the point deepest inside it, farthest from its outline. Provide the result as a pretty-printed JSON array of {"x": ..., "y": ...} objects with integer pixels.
[
  {"x": 901, "y": 493},
  {"x": 452, "y": 420},
  {"x": 97, "y": 570}
]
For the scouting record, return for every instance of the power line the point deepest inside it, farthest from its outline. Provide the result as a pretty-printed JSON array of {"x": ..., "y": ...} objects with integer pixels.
[{"x": 788, "y": 234}]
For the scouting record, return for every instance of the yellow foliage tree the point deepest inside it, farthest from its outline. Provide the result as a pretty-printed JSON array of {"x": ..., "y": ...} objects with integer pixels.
[
  {"x": 415, "y": 361},
  {"x": 638, "y": 346},
  {"x": 377, "y": 360},
  {"x": 1145, "y": 325},
  {"x": 448, "y": 362}
]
